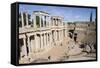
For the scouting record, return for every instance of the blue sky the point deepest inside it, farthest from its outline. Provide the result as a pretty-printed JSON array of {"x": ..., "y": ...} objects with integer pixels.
[{"x": 70, "y": 14}]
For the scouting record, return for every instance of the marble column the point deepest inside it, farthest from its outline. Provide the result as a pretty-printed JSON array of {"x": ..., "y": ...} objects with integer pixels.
[
  {"x": 34, "y": 22},
  {"x": 44, "y": 40},
  {"x": 36, "y": 43},
  {"x": 59, "y": 36},
  {"x": 53, "y": 36},
  {"x": 56, "y": 35},
  {"x": 29, "y": 46},
  {"x": 49, "y": 21},
  {"x": 62, "y": 34},
  {"x": 50, "y": 39},
  {"x": 40, "y": 43},
  {"x": 25, "y": 47},
  {"x": 43, "y": 20},
  {"x": 41, "y": 37},
  {"x": 53, "y": 22}
]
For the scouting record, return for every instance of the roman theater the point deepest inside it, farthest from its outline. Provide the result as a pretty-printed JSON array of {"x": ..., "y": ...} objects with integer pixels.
[{"x": 47, "y": 38}]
